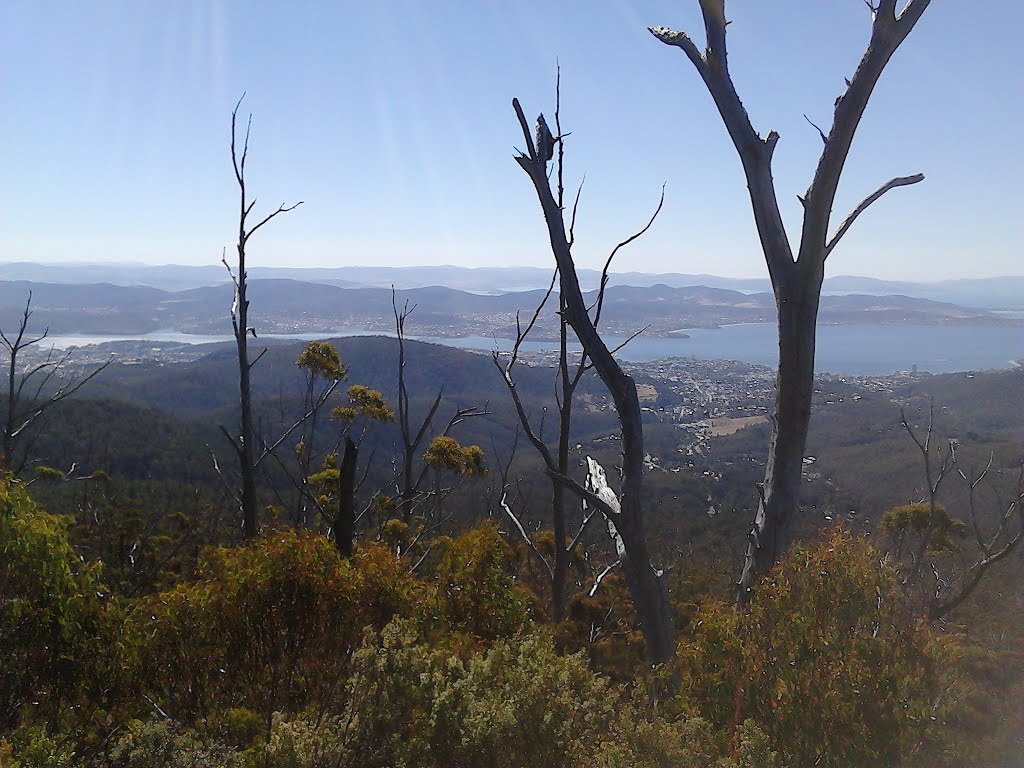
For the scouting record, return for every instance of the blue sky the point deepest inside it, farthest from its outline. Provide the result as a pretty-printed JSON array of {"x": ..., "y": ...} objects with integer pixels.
[{"x": 392, "y": 121}]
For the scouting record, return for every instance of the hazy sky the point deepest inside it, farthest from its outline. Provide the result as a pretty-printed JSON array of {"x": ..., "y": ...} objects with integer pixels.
[{"x": 392, "y": 121}]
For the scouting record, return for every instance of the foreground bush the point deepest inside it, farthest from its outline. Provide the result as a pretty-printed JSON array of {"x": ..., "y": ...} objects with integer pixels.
[
  {"x": 49, "y": 611},
  {"x": 827, "y": 660},
  {"x": 475, "y": 591},
  {"x": 282, "y": 654},
  {"x": 518, "y": 704},
  {"x": 269, "y": 627}
]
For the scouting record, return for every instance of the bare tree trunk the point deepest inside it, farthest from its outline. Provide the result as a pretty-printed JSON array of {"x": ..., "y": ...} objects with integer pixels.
[
  {"x": 305, "y": 459},
  {"x": 7, "y": 451},
  {"x": 559, "y": 519},
  {"x": 796, "y": 281},
  {"x": 780, "y": 491},
  {"x": 410, "y": 484},
  {"x": 244, "y": 443},
  {"x": 409, "y": 490},
  {"x": 649, "y": 595},
  {"x": 345, "y": 522},
  {"x": 245, "y": 437},
  {"x": 558, "y": 572}
]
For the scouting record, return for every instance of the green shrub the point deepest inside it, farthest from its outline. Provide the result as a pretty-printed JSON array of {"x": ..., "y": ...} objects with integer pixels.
[
  {"x": 519, "y": 703},
  {"x": 476, "y": 592},
  {"x": 269, "y": 627},
  {"x": 152, "y": 744},
  {"x": 645, "y": 740},
  {"x": 524, "y": 704},
  {"x": 826, "y": 661},
  {"x": 35, "y": 747},
  {"x": 49, "y": 610}
]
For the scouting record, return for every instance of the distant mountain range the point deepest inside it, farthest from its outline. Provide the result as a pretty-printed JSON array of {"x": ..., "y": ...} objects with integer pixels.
[
  {"x": 994, "y": 293},
  {"x": 283, "y": 306}
]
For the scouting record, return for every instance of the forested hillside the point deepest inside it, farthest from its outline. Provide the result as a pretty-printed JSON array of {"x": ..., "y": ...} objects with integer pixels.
[{"x": 159, "y": 625}]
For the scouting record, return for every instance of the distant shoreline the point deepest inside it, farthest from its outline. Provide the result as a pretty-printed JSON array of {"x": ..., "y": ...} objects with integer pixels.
[{"x": 841, "y": 349}]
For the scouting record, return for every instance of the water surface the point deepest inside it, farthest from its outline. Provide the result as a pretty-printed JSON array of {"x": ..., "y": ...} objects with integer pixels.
[{"x": 850, "y": 349}]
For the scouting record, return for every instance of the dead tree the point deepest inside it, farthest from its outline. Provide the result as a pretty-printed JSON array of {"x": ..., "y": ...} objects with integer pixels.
[
  {"x": 936, "y": 571},
  {"x": 569, "y": 377},
  {"x": 412, "y": 482},
  {"x": 244, "y": 442},
  {"x": 646, "y": 587},
  {"x": 797, "y": 281},
  {"x": 33, "y": 390},
  {"x": 989, "y": 549},
  {"x": 556, "y": 461}
]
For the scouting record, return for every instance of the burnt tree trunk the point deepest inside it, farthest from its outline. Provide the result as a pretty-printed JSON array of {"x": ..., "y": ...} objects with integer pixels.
[
  {"x": 345, "y": 522},
  {"x": 560, "y": 571},
  {"x": 410, "y": 483},
  {"x": 556, "y": 462}
]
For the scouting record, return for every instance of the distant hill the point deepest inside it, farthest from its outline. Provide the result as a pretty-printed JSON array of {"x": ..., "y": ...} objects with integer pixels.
[
  {"x": 986, "y": 293},
  {"x": 210, "y": 384},
  {"x": 982, "y": 293},
  {"x": 171, "y": 277},
  {"x": 282, "y": 306},
  {"x": 86, "y": 308},
  {"x": 197, "y": 397}
]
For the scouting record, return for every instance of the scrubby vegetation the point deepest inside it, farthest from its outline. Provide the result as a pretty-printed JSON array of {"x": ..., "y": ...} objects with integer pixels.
[{"x": 283, "y": 653}]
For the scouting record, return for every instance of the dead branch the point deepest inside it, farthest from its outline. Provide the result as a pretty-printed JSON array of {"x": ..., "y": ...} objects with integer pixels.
[
  {"x": 899, "y": 181},
  {"x": 601, "y": 576},
  {"x": 647, "y": 592},
  {"x": 990, "y": 555},
  {"x": 23, "y": 409},
  {"x": 317, "y": 406},
  {"x": 527, "y": 539},
  {"x": 608, "y": 262},
  {"x": 821, "y": 133}
]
